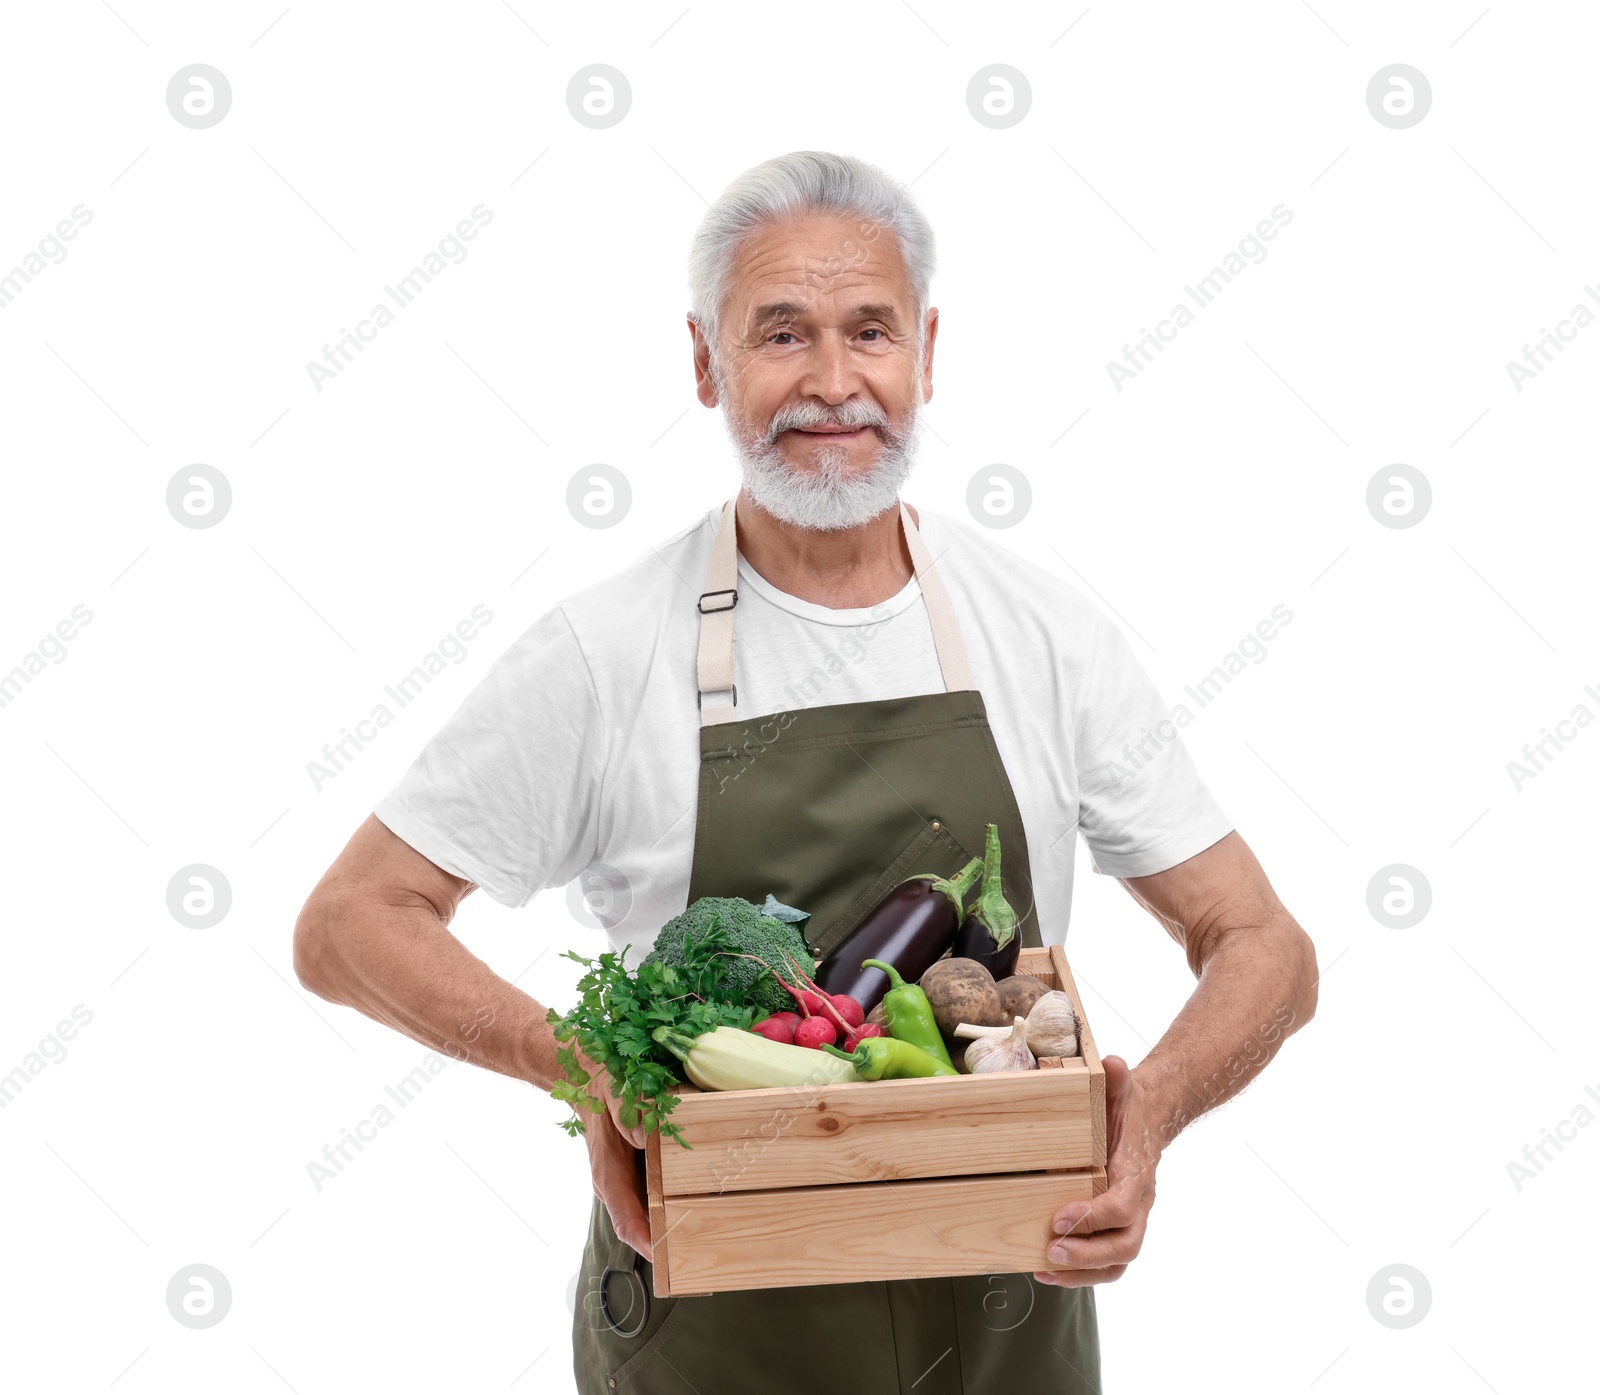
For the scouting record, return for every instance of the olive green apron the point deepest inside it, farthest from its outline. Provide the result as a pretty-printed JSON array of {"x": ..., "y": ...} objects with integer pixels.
[{"x": 828, "y": 808}]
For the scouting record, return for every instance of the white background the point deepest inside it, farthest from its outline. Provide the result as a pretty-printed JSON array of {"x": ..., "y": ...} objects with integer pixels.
[{"x": 430, "y": 476}]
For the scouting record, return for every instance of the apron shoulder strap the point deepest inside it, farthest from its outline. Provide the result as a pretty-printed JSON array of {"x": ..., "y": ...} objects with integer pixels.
[
  {"x": 716, "y": 605},
  {"x": 719, "y": 697},
  {"x": 947, "y": 641}
]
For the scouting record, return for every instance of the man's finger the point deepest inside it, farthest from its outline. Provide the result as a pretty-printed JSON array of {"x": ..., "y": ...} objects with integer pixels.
[
  {"x": 1111, "y": 1210},
  {"x": 1117, "y": 1077},
  {"x": 620, "y": 1190},
  {"x": 1079, "y": 1278},
  {"x": 634, "y": 1134},
  {"x": 618, "y": 1175},
  {"x": 631, "y": 1224},
  {"x": 602, "y": 1083},
  {"x": 1102, "y": 1250}
]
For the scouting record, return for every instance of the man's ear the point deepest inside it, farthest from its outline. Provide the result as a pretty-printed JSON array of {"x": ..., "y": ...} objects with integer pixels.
[
  {"x": 704, "y": 386},
  {"x": 932, "y": 333}
]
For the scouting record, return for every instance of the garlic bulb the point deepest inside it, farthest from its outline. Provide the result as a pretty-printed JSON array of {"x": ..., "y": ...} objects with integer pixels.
[
  {"x": 1008, "y": 1051},
  {"x": 1052, "y": 1027}
]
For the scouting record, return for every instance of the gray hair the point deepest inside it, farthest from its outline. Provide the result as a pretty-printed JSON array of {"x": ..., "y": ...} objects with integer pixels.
[{"x": 792, "y": 185}]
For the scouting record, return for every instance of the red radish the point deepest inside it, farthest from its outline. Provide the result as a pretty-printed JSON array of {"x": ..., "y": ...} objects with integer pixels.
[
  {"x": 800, "y": 1000},
  {"x": 816, "y": 1001},
  {"x": 775, "y": 1029},
  {"x": 815, "y": 1032},
  {"x": 792, "y": 1018},
  {"x": 860, "y": 1034},
  {"x": 812, "y": 1001},
  {"x": 849, "y": 1009}
]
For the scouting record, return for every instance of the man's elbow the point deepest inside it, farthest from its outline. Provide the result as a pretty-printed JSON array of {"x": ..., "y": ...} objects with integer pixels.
[
  {"x": 1305, "y": 976},
  {"x": 313, "y": 947}
]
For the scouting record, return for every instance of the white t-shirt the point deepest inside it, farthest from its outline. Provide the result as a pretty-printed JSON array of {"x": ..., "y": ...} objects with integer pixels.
[{"x": 580, "y": 746}]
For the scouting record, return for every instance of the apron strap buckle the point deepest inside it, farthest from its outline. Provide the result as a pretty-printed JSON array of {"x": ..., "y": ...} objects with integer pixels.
[{"x": 701, "y": 606}]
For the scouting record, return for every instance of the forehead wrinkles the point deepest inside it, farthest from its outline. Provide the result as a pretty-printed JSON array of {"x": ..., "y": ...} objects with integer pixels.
[{"x": 813, "y": 271}]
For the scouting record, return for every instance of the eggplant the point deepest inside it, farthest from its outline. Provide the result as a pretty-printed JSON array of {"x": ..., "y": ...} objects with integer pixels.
[
  {"x": 989, "y": 932},
  {"x": 910, "y": 928}
]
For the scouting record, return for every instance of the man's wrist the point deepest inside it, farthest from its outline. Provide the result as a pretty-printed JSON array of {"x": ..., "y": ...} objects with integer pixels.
[
  {"x": 1170, "y": 1104},
  {"x": 536, "y": 1054}
]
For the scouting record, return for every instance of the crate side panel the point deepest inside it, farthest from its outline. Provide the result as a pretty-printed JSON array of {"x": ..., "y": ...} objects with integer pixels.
[
  {"x": 872, "y": 1231},
  {"x": 950, "y": 1126},
  {"x": 1089, "y": 1053},
  {"x": 659, "y": 1225}
]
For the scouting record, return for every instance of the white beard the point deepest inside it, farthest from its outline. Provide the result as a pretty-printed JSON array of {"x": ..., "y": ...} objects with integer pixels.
[{"x": 829, "y": 494}]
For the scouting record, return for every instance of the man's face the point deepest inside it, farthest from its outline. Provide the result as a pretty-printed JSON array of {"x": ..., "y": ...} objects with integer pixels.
[{"x": 818, "y": 371}]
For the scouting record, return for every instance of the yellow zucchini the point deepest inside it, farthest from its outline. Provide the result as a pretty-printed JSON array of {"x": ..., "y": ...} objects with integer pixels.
[{"x": 727, "y": 1058}]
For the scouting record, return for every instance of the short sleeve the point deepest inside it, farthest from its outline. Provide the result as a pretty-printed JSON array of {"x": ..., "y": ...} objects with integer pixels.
[
  {"x": 506, "y": 793},
  {"x": 1142, "y": 804}
]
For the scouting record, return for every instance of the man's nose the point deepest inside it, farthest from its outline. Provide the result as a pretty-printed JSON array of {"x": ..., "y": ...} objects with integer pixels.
[{"x": 829, "y": 374}]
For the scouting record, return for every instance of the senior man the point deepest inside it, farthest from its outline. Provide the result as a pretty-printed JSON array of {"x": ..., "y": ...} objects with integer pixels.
[{"x": 914, "y": 682}]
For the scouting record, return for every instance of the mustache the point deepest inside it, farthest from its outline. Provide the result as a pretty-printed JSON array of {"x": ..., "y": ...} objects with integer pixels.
[{"x": 855, "y": 412}]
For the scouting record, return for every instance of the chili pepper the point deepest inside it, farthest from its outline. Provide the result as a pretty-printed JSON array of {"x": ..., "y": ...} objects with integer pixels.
[
  {"x": 989, "y": 933},
  {"x": 910, "y": 928},
  {"x": 885, "y": 1058},
  {"x": 910, "y": 1015}
]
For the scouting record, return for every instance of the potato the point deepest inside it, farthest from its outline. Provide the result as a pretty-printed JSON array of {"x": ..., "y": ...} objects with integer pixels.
[
  {"x": 957, "y": 1047},
  {"x": 1019, "y": 993},
  {"x": 962, "y": 990}
]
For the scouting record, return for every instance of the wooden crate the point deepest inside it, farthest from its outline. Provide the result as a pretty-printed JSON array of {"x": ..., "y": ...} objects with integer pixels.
[{"x": 888, "y": 1179}]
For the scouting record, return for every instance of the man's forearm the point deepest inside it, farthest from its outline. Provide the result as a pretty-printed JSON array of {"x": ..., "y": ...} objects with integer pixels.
[
  {"x": 1257, "y": 987},
  {"x": 400, "y": 965}
]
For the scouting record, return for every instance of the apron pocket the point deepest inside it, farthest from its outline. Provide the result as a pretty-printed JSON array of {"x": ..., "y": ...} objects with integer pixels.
[
  {"x": 640, "y": 1358},
  {"x": 934, "y": 849},
  {"x": 602, "y": 1354}
]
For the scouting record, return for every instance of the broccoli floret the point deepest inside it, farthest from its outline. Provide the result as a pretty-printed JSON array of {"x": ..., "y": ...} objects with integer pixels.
[{"x": 744, "y": 930}]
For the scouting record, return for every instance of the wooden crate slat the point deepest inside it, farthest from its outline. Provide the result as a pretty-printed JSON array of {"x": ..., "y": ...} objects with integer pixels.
[
  {"x": 659, "y": 1224},
  {"x": 868, "y": 1231},
  {"x": 1087, "y": 1050},
  {"x": 881, "y": 1131}
]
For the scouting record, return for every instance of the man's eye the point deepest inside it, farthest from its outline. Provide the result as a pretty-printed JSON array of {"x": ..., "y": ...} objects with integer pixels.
[
  {"x": 872, "y": 331},
  {"x": 781, "y": 334}
]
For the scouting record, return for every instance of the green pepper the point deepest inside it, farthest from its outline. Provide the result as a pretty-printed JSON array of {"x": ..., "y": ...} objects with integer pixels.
[
  {"x": 886, "y": 1058},
  {"x": 909, "y": 1014}
]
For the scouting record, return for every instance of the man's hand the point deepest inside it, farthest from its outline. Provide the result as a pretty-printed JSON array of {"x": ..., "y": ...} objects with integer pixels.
[
  {"x": 1257, "y": 974},
  {"x": 616, "y": 1166},
  {"x": 1100, "y": 1238},
  {"x": 600, "y": 1084}
]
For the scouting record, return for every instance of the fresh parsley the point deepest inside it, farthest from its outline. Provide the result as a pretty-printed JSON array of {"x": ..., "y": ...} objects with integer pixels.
[{"x": 612, "y": 1024}]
